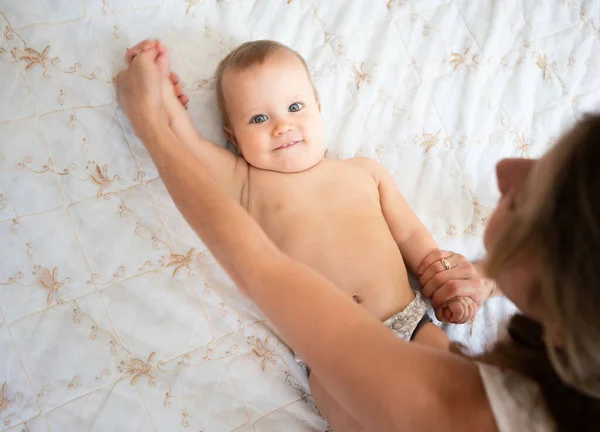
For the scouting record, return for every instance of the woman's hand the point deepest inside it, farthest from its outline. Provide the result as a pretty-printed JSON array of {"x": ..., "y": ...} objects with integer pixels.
[
  {"x": 139, "y": 91},
  {"x": 456, "y": 289}
]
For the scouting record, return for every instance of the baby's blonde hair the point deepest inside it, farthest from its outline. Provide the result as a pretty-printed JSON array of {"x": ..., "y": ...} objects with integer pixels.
[{"x": 246, "y": 55}]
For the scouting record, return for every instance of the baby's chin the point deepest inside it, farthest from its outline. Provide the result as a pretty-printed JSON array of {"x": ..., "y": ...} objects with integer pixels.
[
  {"x": 290, "y": 161},
  {"x": 291, "y": 167}
]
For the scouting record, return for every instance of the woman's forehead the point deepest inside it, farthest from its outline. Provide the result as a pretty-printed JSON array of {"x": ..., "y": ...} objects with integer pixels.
[{"x": 540, "y": 174}]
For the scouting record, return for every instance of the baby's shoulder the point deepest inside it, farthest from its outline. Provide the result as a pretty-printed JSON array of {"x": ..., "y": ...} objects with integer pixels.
[
  {"x": 369, "y": 166},
  {"x": 362, "y": 163}
]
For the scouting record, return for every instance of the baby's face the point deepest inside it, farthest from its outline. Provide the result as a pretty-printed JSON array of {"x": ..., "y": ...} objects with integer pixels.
[{"x": 274, "y": 114}]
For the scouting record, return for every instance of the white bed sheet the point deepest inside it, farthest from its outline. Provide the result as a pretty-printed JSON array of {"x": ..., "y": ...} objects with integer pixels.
[{"x": 112, "y": 314}]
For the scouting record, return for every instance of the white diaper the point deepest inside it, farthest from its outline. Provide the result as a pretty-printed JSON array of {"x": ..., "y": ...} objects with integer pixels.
[{"x": 405, "y": 322}]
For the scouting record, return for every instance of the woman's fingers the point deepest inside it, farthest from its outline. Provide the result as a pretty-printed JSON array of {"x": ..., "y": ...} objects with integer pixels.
[
  {"x": 138, "y": 48},
  {"x": 435, "y": 268},
  {"x": 139, "y": 91},
  {"x": 433, "y": 257},
  {"x": 162, "y": 58},
  {"x": 451, "y": 260},
  {"x": 457, "y": 273},
  {"x": 133, "y": 51},
  {"x": 437, "y": 271},
  {"x": 458, "y": 289},
  {"x": 454, "y": 286},
  {"x": 162, "y": 61}
]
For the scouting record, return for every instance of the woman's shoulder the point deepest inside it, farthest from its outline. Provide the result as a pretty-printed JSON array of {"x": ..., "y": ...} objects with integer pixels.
[{"x": 516, "y": 401}]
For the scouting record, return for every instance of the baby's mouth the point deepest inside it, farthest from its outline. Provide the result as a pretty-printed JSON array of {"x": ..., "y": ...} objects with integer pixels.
[{"x": 289, "y": 144}]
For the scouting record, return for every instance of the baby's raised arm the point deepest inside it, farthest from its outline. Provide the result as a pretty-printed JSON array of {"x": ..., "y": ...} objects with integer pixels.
[{"x": 229, "y": 171}]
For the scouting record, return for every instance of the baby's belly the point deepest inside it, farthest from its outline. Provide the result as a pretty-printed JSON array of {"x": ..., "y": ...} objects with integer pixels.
[{"x": 364, "y": 262}]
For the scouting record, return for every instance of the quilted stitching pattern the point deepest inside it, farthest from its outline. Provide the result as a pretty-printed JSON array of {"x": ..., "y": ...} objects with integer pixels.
[{"x": 113, "y": 316}]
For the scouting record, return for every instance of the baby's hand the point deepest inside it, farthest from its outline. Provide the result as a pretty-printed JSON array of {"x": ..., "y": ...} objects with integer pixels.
[
  {"x": 171, "y": 82},
  {"x": 459, "y": 310},
  {"x": 456, "y": 289}
]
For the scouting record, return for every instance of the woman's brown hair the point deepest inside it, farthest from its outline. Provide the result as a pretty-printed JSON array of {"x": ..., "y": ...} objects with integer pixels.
[{"x": 562, "y": 230}]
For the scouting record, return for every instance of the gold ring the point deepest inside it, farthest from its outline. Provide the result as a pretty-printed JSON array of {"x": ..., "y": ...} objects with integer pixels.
[{"x": 445, "y": 263}]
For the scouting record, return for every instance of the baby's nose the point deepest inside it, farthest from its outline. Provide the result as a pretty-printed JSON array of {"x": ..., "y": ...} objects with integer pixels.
[{"x": 282, "y": 128}]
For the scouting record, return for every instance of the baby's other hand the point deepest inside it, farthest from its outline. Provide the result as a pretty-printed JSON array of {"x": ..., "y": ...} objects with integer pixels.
[
  {"x": 458, "y": 310},
  {"x": 456, "y": 289}
]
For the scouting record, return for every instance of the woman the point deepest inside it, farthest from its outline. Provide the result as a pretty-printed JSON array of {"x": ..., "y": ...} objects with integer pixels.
[{"x": 543, "y": 243}]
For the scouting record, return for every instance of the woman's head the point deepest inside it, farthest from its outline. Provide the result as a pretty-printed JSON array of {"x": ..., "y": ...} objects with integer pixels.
[{"x": 543, "y": 243}]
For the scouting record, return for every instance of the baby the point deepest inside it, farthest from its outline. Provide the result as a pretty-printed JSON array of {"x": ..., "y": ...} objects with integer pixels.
[{"x": 346, "y": 219}]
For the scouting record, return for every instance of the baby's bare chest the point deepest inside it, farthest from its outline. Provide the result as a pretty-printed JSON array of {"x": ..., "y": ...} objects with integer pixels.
[
  {"x": 329, "y": 215},
  {"x": 323, "y": 197},
  {"x": 333, "y": 222}
]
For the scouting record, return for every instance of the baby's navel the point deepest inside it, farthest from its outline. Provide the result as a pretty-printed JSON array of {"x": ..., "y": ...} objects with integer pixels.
[{"x": 357, "y": 299}]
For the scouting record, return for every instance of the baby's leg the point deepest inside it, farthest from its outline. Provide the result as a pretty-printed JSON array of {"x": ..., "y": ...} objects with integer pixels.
[
  {"x": 431, "y": 335},
  {"x": 335, "y": 415}
]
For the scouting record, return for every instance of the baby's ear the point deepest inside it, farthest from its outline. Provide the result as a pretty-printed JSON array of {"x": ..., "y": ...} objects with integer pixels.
[{"x": 230, "y": 136}]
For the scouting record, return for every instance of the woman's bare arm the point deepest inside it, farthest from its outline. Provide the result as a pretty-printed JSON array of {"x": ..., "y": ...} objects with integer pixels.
[{"x": 386, "y": 383}]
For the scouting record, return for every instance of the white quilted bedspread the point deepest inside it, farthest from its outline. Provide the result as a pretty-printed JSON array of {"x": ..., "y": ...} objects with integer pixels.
[{"x": 113, "y": 316}]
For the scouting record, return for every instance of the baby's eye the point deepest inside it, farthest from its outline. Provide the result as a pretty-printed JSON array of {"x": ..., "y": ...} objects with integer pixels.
[
  {"x": 295, "y": 107},
  {"x": 260, "y": 118}
]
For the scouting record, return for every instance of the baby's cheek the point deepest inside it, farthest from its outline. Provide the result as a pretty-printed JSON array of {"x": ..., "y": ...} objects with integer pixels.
[{"x": 256, "y": 157}]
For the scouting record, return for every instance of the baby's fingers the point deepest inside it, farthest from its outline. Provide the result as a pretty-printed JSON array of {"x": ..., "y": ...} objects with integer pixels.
[
  {"x": 175, "y": 80},
  {"x": 176, "y": 84},
  {"x": 460, "y": 310},
  {"x": 453, "y": 314},
  {"x": 184, "y": 99}
]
